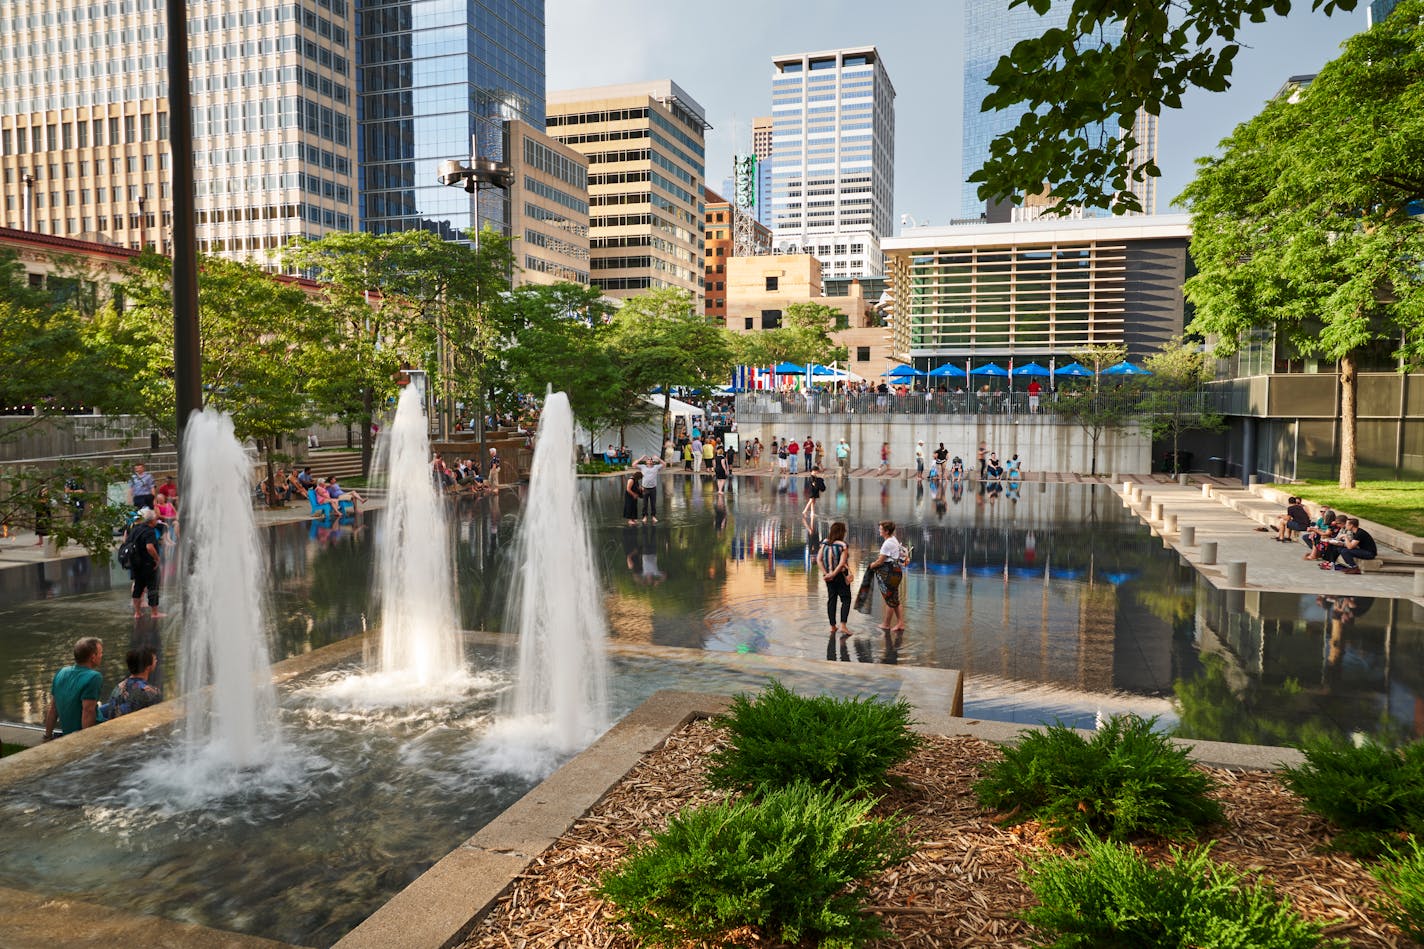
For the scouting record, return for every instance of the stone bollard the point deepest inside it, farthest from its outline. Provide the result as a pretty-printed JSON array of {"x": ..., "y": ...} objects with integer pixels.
[
  {"x": 1127, "y": 489},
  {"x": 1419, "y": 583},
  {"x": 1169, "y": 523},
  {"x": 1236, "y": 573},
  {"x": 1189, "y": 535},
  {"x": 1181, "y": 477},
  {"x": 1156, "y": 511},
  {"x": 1206, "y": 491},
  {"x": 1208, "y": 551}
]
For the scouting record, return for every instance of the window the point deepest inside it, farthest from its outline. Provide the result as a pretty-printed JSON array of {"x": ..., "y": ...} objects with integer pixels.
[
  {"x": 862, "y": 354},
  {"x": 770, "y": 319},
  {"x": 750, "y": 321},
  {"x": 774, "y": 283}
]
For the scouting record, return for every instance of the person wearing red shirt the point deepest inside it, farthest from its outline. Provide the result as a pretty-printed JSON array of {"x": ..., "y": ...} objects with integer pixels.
[
  {"x": 1033, "y": 392},
  {"x": 793, "y": 449}
]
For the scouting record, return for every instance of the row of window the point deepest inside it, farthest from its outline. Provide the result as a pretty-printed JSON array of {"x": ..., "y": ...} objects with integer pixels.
[
  {"x": 557, "y": 245},
  {"x": 557, "y": 220},
  {"x": 558, "y": 271},
  {"x": 543, "y": 158},
  {"x": 55, "y": 136},
  {"x": 550, "y": 193},
  {"x": 238, "y": 52},
  {"x": 117, "y": 194}
]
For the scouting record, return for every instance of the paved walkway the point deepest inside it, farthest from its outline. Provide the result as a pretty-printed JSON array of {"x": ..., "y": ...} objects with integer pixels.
[{"x": 1230, "y": 517}]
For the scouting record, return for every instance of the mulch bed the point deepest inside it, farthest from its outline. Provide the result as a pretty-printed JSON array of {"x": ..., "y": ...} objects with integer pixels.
[{"x": 963, "y": 885}]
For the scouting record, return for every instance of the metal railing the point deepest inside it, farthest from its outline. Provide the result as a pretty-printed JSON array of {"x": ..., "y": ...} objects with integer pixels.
[{"x": 873, "y": 403}]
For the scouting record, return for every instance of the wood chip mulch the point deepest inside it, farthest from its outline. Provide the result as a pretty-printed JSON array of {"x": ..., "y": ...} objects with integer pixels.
[{"x": 961, "y": 888}]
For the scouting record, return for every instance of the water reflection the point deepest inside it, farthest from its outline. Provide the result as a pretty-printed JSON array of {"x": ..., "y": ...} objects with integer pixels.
[{"x": 1051, "y": 590}]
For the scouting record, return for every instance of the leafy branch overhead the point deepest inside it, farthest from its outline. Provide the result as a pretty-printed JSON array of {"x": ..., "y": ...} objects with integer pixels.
[{"x": 1083, "y": 85}]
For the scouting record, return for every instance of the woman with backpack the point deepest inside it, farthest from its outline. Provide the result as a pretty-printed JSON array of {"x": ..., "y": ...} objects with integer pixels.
[
  {"x": 834, "y": 559},
  {"x": 888, "y": 568},
  {"x": 815, "y": 487}
]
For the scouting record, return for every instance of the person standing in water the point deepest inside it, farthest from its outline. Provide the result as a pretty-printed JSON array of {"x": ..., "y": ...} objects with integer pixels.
[
  {"x": 632, "y": 494},
  {"x": 889, "y": 573},
  {"x": 652, "y": 469},
  {"x": 834, "y": 560}
]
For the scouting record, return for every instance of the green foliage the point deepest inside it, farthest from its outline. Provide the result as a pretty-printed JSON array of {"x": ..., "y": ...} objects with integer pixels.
[
  {"x": 1401, "y": 873},
  {"x": 794, "y": 866},
  {"x": 1222, "y": 704},
  {"x": 1112, "y": 898},
  {"x": 1373, "y": 793},
  {"x": 778, "y": 737},
  {"x": 1173, "y": 393},
  {"x": 803, "y": 337},
  {"x": 1123, "y": 781},
  {"x": 598, "y": 467},
  {"x": 1084, "y": 82}
]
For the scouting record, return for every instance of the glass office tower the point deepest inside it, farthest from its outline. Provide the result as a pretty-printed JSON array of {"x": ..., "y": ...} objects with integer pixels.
[{"x": 433, "y": 74}]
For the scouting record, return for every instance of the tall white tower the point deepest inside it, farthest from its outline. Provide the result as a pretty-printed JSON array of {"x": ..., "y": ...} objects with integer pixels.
[{"x": 833, "y": 158}]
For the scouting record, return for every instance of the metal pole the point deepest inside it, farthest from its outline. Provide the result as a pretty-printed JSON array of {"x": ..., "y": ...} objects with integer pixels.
[{"x": 187, "y": 371}]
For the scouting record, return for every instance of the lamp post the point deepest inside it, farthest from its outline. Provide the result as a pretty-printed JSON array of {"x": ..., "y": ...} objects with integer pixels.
[
  {"x": 187, "y": 372},
  {"x": 480, "y": 171},
  {"x": 29, "y": 180}
]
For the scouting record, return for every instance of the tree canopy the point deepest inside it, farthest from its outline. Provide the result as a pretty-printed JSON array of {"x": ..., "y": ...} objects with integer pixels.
[
  {"x": 1083, "y": 85},
  {"x": 804, "y": 336},
  {"x": 1301, "y": 226}
]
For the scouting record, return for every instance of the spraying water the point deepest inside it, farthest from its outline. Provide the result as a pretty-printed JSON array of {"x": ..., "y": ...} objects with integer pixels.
[
  {"x": 420, "y": 641},
  {"x": 560, "y": 696},
  {"x": 227, "y": 677}
]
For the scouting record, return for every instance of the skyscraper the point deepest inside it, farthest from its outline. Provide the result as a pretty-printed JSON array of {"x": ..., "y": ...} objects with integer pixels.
[
  {"x": 833, "y": 158},
  {"x": 84, "y": 121},
  {"x": 990, "y": 31},
  {"x": 434, "y": 75},
  {"x": 646, "y": 176}
]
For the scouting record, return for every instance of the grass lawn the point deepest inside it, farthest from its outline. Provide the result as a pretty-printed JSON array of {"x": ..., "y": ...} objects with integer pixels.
[{"x": 1397, "y": 504}]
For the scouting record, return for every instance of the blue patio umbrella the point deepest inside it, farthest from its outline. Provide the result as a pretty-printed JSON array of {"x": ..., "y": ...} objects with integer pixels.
[
  {"x": 819, "y": 370},
  {"x": 902, "y": 372},
  {"x": 1073, "y": 369},
  {"x": 948, "y": 369},
  {"x": 1031, "y": 369},
  {"x": 1126, "y": 369},
  {"x": 789, "y": 369},
  {"x": 992, "y": 369}
]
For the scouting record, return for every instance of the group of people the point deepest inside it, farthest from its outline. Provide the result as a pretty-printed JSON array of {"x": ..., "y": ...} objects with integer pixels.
[
  {"x": 1333, "y": 540},
  {"x": 75, "y": 692},
  {"x": 789, "y": 455},
  {"x": 699, "y": 453},
  {"x": 466, "y": 475},
  {"x": 300, "y": 484},
  {"x": 886, "y": 572}
]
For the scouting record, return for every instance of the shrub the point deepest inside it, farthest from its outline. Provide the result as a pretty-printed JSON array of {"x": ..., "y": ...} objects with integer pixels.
[
  {"x": 1127, "y": 779},
  {"x": 779, "y": 737},
  {"x": 1401, "y": 873},
  {"x": 1372, "y": 793},
  {"x": 1112, "y": 897},
  {"x": 792, "y": 865}
]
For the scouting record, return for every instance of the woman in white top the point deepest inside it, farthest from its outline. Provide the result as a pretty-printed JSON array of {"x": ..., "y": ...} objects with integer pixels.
[
  {"x": 651, "y": 468},
  {"x": 888, "y": 574}
]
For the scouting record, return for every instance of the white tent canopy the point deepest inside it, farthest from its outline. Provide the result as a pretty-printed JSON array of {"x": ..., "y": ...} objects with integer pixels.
[{"x": 645, "y": 437}]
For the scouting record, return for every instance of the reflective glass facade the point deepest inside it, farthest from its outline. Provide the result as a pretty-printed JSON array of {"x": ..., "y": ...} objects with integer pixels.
[
  {"x": 433, "y": 73},
  {"x": 991, "y": 29}
]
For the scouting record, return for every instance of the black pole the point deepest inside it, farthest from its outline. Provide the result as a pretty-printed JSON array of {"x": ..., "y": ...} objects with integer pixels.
[{"x": 187, "y": 371}]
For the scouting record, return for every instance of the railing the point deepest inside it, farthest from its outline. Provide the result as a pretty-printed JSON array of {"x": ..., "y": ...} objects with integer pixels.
[{"x": 872, "y": 403}]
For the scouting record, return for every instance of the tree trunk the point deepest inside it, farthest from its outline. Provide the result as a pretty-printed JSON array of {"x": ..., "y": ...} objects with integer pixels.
[
  {"x": 271, "y": 489},
  {"x": 1348, "y": 383},
  {"x": 368, "y": 397},
  {"x": 667, "y": 414}
]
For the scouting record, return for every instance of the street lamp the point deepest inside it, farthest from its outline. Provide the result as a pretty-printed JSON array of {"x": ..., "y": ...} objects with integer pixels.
[{"x": 480, "y": 171}]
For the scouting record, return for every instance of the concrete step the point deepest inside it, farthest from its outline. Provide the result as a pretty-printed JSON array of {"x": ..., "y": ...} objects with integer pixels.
[{"x": 343, "y": 464}]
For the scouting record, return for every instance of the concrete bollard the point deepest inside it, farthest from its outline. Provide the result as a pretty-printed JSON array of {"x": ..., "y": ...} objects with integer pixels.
[
  {"x": 1252, "y": 480},
  {"x": 1206, "y": 491},
  {"x": 1156, "y": 511},
  {"x": 1236, "y": 573},
  {"x": 1208, "y": 551},
  {"x": 1419, "y": 583},
  {"x": 1127, "y": 489},
  {"x": 1169, "y": 523},
  {"x": 1189, "y": 535},
  {"x": 1181, "y": 477}
]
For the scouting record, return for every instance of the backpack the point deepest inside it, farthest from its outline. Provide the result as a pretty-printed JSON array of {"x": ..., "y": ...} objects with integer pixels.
[
  {"x": 829, "y": 554},
  {"x": 818, "y": 484},
  {"x": 127, "y": 550}
]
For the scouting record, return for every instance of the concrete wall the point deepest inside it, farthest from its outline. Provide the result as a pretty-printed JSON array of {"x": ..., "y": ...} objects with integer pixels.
[{"x": 1042, "y": 443}]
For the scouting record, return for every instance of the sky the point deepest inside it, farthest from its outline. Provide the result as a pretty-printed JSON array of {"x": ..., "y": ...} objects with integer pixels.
[{"x": 721, "y": 55}]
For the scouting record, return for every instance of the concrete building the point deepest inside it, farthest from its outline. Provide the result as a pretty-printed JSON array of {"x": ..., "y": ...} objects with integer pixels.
[
  {"x": 833, "y": 158},
  {"x": 437, "y": 78},
  {"x": 84, "y": 122},
  {"x": 646, "y": 168},
  {"x": 720, "y": 238},
  {"x": 1037, "y": 290},
  {"x": 548, "y": 207}
]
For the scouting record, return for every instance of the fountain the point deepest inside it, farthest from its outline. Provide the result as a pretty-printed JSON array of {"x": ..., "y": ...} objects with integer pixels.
[
  {"x": 420, "y": 640},
  {"x": 560, "y": 696},
  {"x": 231, "y": 721}
]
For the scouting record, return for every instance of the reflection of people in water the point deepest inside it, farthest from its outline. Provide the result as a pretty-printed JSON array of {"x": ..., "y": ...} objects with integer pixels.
[
  {"x": 891, "y": 656},
  {"x": 1012, "y": 492},
  {"x": 719, "y": 513},
  {"x": 640, "y": 553},
  {"x": 956, "y": 491},
  {"x": 1342, "y": 612}
]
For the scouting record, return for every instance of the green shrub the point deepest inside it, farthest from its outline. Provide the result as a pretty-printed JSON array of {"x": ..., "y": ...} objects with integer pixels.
[
  {"x": 1372, "y": 793},
  {"x": 793, "y": 865},
  {"x": 778, "y": 737},
  {"x": 1112, "y": 898},
  {"x": 1401, "y": 873},
  {"x": 1127, "y": 779}
]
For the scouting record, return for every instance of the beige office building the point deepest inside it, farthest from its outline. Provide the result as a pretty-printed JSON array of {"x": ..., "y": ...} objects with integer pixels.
[
  {"x": 84, "y": 122},
  {"x": 548, "y": 207},
  {"x": 646, "y": 166},
  {"x": 761, "y": 137}
]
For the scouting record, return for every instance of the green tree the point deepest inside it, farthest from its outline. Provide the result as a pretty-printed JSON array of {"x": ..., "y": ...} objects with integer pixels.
[
  {"x": 260, "y": 337},
  {"x": 1111, "y": 59},
  {"x": 1301, "y": 225},
  {"x": 1172, "y": 395},
  {"x": 666, "y": 344},
  {"x": 1099, "y": 410},
  {"x": 804, "y": 336}
]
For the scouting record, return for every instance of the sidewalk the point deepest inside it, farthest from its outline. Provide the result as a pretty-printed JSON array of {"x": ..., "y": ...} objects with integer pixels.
[{"x": 1230, "y": 518}]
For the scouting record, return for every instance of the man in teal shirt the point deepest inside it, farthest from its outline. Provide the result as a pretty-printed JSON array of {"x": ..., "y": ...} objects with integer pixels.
[{"x": 74, "y": 694}]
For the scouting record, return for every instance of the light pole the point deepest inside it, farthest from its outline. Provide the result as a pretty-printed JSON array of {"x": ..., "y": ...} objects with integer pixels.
[
  {"x": 29, "y": 180},
  {"x": 187, "y": 372},
  {"x": 480, "y": 171}
]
